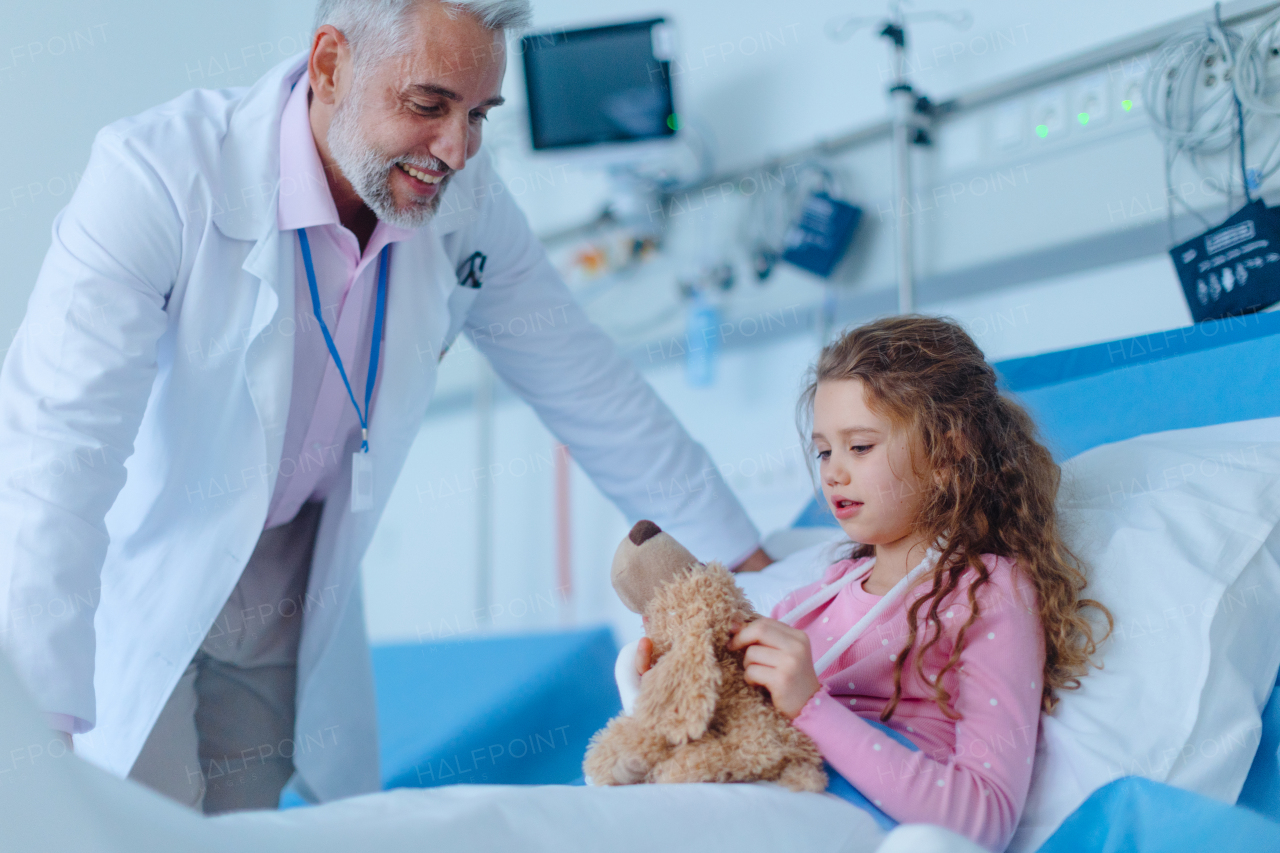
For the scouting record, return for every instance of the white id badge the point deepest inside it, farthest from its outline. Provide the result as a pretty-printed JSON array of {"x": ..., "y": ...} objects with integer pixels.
[{"x": 361, "y": 482}]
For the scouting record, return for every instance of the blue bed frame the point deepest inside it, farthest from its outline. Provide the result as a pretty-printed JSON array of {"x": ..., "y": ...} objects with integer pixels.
[{"x": 459, "y": 711}]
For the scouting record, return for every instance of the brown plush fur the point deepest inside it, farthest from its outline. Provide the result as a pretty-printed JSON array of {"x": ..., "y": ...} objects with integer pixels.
[{"x": 696, "y": 719}]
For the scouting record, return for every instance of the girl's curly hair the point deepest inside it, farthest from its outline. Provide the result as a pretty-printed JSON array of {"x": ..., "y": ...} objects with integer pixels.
[{"x": 990, "y": 487}]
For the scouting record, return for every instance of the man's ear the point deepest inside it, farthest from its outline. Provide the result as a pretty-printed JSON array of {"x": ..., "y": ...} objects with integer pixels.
[{"x": 329, "y": 64}]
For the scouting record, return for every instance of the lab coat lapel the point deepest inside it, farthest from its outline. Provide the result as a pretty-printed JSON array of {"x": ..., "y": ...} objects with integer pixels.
[
  {"x": 418, "y": 287},
  {"x": 268, "y": 358},
  {"x": 245, "y": 208},
  {"x": 245, "y": 203}
]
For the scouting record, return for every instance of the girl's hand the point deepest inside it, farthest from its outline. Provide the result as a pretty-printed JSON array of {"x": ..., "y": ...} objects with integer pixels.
[
  {"x": 779, "y": 659},
  {"x": 644, "y": 655}
]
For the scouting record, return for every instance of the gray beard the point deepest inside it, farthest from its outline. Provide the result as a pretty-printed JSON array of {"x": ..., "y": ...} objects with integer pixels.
[{"x": 370, "y": 173}]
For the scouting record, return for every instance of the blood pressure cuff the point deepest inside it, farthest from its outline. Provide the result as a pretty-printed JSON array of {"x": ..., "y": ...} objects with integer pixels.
[{"x": 1234, "y": 268}]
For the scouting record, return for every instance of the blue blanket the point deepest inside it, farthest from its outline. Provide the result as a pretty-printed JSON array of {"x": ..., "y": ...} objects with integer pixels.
[{"x": 1136, "y": 815}]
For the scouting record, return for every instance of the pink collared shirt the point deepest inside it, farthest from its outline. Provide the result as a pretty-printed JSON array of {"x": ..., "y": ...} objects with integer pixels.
[{"x": 321, "y": 417}]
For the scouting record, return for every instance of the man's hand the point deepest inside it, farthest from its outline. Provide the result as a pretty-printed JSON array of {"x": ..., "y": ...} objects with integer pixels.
[
  {"x": 757, "y": 561},
  {"x": 779, "y": 659}
]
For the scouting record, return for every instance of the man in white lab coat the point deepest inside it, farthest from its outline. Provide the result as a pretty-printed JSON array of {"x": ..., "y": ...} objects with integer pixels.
[{"x": 180, "y": 536}]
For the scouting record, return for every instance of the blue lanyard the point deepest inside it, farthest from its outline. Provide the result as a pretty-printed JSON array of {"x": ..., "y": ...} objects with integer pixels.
[{"x": 378, "y": 313}]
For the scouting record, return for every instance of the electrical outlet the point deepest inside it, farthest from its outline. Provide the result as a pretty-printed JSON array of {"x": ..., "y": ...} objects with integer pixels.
[
  {"x": 1272, "y": 54},
  {"x": 1127, "y": 80},
  {"x": 1129, "y": 88},
  {"x": 1009, "y": 125},
  {"x": 1271, "y": 61},
  {"x": 1213, "y": 74},
  {"x": 959, "y": 143},
  {"x": 1091, "y": 100},
  {"x": 1049, "y": 113}
]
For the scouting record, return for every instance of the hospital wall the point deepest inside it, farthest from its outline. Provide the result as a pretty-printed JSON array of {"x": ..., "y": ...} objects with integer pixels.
[
  {"x": 755, "y": 79},
  {"x": 1054, "y": 203},
  {"x": 420, "y": 581},
  {"x": 758, "y": 76}
]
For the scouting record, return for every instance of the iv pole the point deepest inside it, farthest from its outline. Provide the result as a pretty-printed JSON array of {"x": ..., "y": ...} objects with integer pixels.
[
  {"x": 903, "y": 105},
  {"x": 908, "y": 111}
]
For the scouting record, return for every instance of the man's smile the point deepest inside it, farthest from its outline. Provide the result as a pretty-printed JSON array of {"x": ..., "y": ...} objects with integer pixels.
[{"x": 421, "y": 175}]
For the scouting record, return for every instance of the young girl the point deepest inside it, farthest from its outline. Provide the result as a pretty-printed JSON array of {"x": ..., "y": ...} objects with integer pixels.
[{"x": 939, "y": 640}]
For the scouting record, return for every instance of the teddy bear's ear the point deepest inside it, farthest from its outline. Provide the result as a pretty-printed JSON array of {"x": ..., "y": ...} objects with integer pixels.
[
  {"x": 678, "y": 695},
  {"x": 645, "y": 560}
]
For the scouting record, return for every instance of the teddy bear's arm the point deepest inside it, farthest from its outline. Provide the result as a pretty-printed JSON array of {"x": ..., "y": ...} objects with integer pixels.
[{"x": 678, "y": 695}]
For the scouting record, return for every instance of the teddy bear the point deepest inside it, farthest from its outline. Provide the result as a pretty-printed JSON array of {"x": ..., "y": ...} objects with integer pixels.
[{"x": 696, "y": 719}]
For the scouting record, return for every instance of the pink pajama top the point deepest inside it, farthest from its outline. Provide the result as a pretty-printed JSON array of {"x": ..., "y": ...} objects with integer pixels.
[{"x": 971, "y": 775}]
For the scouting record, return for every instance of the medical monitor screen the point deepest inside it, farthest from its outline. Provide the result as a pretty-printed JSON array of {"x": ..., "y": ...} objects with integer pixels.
[{"x": 598, "y": 85}]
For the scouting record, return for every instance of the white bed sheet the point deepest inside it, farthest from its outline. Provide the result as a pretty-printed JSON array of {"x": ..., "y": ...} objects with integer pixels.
[{"x": 54, "y": 802}]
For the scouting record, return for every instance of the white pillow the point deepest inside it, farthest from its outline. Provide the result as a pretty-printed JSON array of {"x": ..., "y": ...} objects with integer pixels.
[
  {"x": 764, "y": 589},
  {"x": 1171, "y": 527},
  {"x": 1245, "y": 655}
]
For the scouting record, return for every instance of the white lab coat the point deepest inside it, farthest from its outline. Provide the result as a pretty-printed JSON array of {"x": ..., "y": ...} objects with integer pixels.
[{"x": 143, "y": 405}]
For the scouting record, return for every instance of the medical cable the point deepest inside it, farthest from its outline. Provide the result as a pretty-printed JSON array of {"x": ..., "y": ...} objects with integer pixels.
[
  {"x": 1184, "y": 119},
  {"x": 829, "y": 592}
]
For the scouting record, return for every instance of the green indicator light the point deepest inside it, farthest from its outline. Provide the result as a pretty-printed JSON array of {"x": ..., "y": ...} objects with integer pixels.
[
  {"x": 1126, "y": 104},
  {"x": 673, "y": 122},
  {"x": 1083, "y": 118},
  {"x": 1042, "y": 130}
]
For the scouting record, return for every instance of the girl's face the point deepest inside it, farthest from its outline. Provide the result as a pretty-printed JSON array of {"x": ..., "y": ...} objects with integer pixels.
[{"x": 864, "y": 465}]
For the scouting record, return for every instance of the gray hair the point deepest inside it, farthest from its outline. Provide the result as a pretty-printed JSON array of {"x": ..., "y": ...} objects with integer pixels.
[{"x": 381, "y": 24}]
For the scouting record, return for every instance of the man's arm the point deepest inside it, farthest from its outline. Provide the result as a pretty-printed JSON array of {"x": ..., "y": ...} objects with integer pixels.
[
  {"x": 757, "y": 561},
  {"x": 593, "y": 399},
  {"x": 72, "y": 392}
]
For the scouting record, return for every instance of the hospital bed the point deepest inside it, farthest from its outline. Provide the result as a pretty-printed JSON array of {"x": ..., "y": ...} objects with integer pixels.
[
  {"x": 1197, "y": 376},
  {"x": 529, "y": 703}
]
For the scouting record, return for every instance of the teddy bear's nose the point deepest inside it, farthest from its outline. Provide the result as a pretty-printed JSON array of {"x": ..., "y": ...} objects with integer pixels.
[{"x": 643, "y": 531}]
